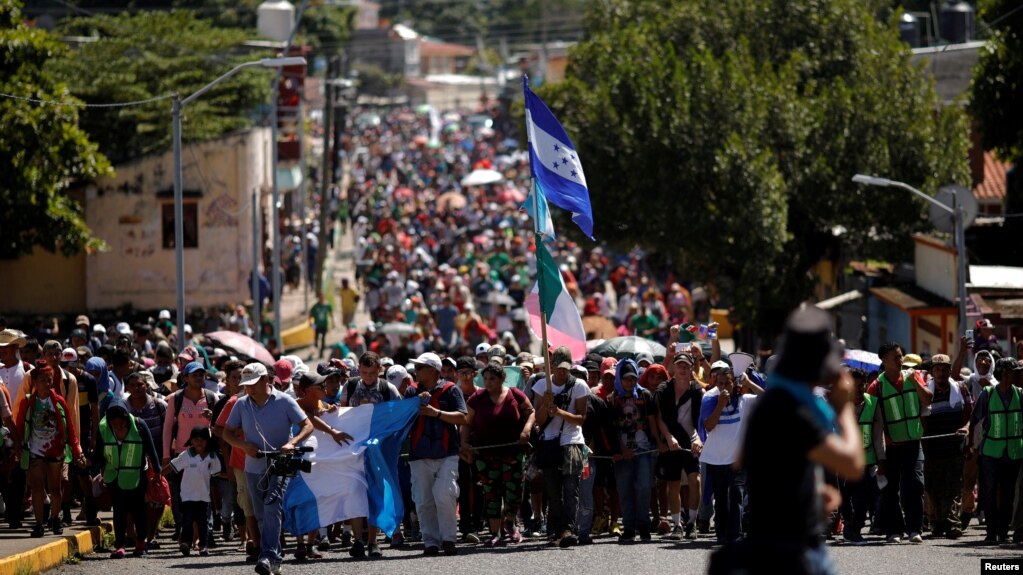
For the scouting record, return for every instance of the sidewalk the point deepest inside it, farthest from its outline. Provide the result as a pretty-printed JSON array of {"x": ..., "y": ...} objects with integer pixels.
[{"x": 21, "y": 554}]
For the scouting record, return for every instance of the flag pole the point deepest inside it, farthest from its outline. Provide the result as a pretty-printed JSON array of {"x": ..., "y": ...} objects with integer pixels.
[{"x": 537, "y": 240}]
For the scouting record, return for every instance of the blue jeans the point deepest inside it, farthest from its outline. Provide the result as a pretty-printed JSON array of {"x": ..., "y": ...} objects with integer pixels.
[
  {"x": 585, "y": 513},
  {"x": 728, "y": 487},
  {"x": 818, "y": 562},
  {"x": 268, "y": 515},
  {"x": 227, "y": 499},
  {"x": 635, "y": 479}
]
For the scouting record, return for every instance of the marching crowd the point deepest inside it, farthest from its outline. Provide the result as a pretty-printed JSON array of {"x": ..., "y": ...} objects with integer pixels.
[{"x": 632, "y": 448}]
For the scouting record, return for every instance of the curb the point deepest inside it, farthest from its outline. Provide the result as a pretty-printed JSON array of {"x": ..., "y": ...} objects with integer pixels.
[{"x": 54, "y": 553}]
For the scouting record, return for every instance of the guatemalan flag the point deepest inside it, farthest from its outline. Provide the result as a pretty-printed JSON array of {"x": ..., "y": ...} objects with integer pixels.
[
  {"x": 549, "y": 296},
  {"x": 554, "y": 163},
  {"x": 536, "y": 206},
  {"x": 359, "y": 479}
]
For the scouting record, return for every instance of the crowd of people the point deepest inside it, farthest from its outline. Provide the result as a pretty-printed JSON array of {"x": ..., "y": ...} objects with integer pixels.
[{"x": 506, "y": 447}]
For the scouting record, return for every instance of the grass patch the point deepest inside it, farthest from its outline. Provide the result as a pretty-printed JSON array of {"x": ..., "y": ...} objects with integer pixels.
[
  {"x": 166, "y": 520},
  {"x": 23, "y": 568},
  {"x": 73, "y": 559},
  {"x": 107, "y": 542}
]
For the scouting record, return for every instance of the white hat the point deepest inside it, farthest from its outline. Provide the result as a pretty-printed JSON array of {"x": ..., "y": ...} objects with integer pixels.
[
  {"x": 69, "y": 354},
  {"x": 428, "y": 359},
  {"x": 719, "y": 364},
  {"x": 482, "y": 348},
  {"x": 252, "y": 373},
  {"x": 396, "y": 374},
  {"x": 188, "y": 328},
  {"x": 164, "y": 314},
  {"x": 123, "y": 328},
  {"x": 98, "y": 328}
]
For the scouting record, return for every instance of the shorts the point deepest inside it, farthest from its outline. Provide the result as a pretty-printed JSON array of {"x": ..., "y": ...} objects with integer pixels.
[
  {"x": 605, "y": 474},
  {"x": 35, "y": 462},
  {"x": 242, "y": 483},
  {"x": 671, "y": 465}
]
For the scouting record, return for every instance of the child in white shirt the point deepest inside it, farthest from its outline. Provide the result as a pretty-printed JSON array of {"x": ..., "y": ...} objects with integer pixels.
[{"x": 196, "y": 465}]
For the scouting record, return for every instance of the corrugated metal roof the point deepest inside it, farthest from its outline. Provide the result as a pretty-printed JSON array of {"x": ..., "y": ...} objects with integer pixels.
[{"x": 993, "y": 186}]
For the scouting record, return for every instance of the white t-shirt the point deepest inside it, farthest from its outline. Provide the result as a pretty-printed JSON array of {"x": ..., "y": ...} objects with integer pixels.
[
  {"x": 195, "y": 472},
  {"x": 13, "y": 377},
  {"x": 572, "y": 434},
  {"x": 723, "y": 443}
]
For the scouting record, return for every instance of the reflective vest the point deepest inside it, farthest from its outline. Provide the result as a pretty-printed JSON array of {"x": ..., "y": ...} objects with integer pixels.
[
  {"x": 901, "y": 410},
  {"x": 125, "y": 460},
  {"x": 1006, "y": 426},
  {"x": 866, "y": 422}
]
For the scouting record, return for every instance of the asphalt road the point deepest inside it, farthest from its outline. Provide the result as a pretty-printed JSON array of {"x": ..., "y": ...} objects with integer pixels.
[{"x": 960, "y": 557}]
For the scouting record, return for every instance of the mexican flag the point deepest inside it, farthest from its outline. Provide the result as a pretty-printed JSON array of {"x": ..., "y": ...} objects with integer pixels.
[{"x": 564, "y": 326}]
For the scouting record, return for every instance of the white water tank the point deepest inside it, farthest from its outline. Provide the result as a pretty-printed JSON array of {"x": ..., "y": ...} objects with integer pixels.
[{"x": 275, "y": 19}]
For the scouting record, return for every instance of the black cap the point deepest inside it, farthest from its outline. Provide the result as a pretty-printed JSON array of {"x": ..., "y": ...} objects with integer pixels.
[
  {"x": 466, "y": 362},
  {"x": 310, "y": 379},
  {"x": 629, "y": 368},
  {"x": 807, "y": 351}
]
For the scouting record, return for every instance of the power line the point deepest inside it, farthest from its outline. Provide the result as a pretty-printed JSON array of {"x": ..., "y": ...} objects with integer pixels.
[{"x": 87, "y": 105}]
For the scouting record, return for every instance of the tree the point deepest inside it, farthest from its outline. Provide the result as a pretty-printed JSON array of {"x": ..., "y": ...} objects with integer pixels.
[
  {"x": 42, "y": 147},
  {"x": 150, "y": 54},
  {"x": 997, "y": 92},
  {"x": 732, "y": 130}
]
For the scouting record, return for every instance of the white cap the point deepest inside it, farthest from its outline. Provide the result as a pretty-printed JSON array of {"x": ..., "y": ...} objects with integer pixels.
[
  {"x": 396, "y": 374},
  {"x": 98, "y": 328},
  {"x": 252, "y": 373},
  {"x": 164, "y": 314},
  {"x": 720, "y": 365},
  {"x": 482, "y": 348},
  {"x": 428, "y": 359},
  {"x": 188, "y": 328},
  {"x": 69, "y": 354},
  {"x": 123, "y": 328}
]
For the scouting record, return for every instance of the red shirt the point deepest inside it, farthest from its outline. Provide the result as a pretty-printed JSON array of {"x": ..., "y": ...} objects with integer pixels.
[
  {"x": 237, "y": 460},
  {"x": 494, "y": 424}
]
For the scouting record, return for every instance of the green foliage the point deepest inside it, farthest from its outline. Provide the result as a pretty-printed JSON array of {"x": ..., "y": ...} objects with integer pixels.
[
  {"x": 374, "y": 81},
  {"x": 42, "y": 148},
  {"x": 149, "y": 54},
  {"x": 997, "y": 91},
  {"x": 732, "y": 130}
]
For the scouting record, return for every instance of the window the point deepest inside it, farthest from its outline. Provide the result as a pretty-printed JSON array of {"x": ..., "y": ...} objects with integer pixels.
[{"x": 191, "y": 213}]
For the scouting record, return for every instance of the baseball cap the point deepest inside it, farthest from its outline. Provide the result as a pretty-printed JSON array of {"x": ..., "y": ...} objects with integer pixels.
[
  {"x": 428, "y": 359},
  {"x": 188, "y": 328},
  {"x": 640, "y": 358},
  {"x": 82, "y": 320},
  {"x": 940, "y": 359},
  {"x": 396, "y": 374},
  {"x": 68, "y": 355},
  {"x": 482, "y": 348},
  {"x": 911, "y": 360},
  {"x": 578, "y": 371},
  {"x": 607, "y": 365},
  {"x": 984, "y": 323},
  {"x": 123, "y": 328},
  {"x": 386, "y": 362},
  {"x": 309, "y": 379},
  {"x": 83, "y": 350},
  {"x": 629, "y": 369},
  {"x": 562, "y": 358},
  {"x": 684, "y": 357},
  {"x": 193, "y": 367},
  {"x": 79, "y": 333},
  {"x": 283, "y": 369},
  {"x": 449, "y": 362},
  {"x": 252, "y": 372},
  {"x": 164, "y": 314},
  {"x": 719, "y": 365}
]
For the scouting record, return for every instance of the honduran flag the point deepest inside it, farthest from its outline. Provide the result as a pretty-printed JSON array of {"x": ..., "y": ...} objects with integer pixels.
[
  {"x": 549, "y": 296},
  {"x": 359, "y": 479}
]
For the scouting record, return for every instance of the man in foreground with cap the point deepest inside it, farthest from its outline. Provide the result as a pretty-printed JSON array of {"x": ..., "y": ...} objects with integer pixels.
[
  {"x": 433, "y": 454},
  {"x": 785, "y": 478},
  {"x": 266, "y": 417},
  {"x": 943, "y": 456}
]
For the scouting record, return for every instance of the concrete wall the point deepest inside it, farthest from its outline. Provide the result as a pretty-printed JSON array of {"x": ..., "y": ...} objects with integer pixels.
[
  {"x": 126, "y": 211},
  {"x": 935, "y": 267},
  {"x": 43, "y": 283}
]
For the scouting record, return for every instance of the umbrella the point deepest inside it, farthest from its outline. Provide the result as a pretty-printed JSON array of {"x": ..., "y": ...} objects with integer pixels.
[
  {"x": 628, "y": 347},
  {"x": 500, "y": 298},
  {"x": 599, "y": 327},
  {"x": 397, "y": 328},
  {"x": 449, "y": 201},
  {"x": 511, "y": 196},
  {"x": 865, "y": 360},
  {"x": 403, "y": 193},
  {"x": 242, "y": 345},
  {"x": 482, "y": 177}
]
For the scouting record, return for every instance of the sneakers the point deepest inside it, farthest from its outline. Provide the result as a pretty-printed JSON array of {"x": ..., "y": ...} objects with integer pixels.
[
  {"x": 449, "y": 548},
  {"x": 954, "y": 533},
  {"x": 398, "y": 541},
  {"x": 38, "y": 530},
  {"x": 515, "y": 536},
  {"x": 185, "y": 549},
  {"x": 495, "y": 541},
  {"x": 263, "y": 567},
  {"x": 346, "y": 539},
  {"x": 152, "y": 544},
  {"x": 663, "y": 527},
  {"x": 690, "y": 531},
  {"x": 676, "y": 533},
  {"x": 118, "y": 553},
  {"x": 629, "y": 536},
  {"x": 853, "y": 539},
  {"x": 615, "y": 530},
  {"x": 312, "y": 553},
  {"x": 893, "y": 539},
  {"x": 323, "y": 545},
  {"x": 471, "y": 538},
  {"x": 140, "y": 550},
  {"x": 374, "y": 551},
  {"x": 358, "y": 549},
  {"x": 204, "y": 552},
  {"x": 568, "y": 539},
  {"x": 915, "y": 538}
]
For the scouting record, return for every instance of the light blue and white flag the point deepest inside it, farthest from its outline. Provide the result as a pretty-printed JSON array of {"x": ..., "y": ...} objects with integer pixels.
[
  {"x": 554, "y": 162},
  {"x": 359, "y": 479},
  {"x": 541, "y": 215}
]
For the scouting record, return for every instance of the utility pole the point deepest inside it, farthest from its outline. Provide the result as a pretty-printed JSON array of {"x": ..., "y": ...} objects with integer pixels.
[{"x": 327, "y": 179}]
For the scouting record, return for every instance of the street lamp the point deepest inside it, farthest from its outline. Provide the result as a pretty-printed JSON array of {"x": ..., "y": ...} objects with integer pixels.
[
  {"x": 958, "y": 217},
  {"x": 179, "y": 224}
]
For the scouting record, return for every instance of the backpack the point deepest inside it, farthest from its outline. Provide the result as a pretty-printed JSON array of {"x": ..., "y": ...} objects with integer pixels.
[
  {"x": 179, "y": 400},
  {"x": 382, "y": 387}
]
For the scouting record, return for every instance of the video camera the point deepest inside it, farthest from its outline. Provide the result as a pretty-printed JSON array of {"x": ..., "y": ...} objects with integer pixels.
[{"x": 287, "y": 464}]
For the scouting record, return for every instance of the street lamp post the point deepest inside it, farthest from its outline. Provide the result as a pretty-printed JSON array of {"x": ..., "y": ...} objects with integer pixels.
[
  {"x": 179, "y": 223},
  {"x": 958, "y": 217}
]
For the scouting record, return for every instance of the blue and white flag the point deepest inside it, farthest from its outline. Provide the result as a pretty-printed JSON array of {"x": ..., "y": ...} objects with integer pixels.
[
  {"x": 554, "y": 162},
  {"x": 541, "y": 215},
  {"x": 359, "y": 479}
]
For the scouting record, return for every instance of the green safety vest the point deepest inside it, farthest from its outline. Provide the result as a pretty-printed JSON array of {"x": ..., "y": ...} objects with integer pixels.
[
  {"x": 125, "y": 460},
  {"x": 901, "y": 410},
  {"x": 1006, "y": 426},
  {"x": 866, "y": 422}
]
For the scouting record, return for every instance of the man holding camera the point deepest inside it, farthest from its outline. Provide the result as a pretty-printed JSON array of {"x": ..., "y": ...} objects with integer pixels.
[{"x": 265, "y": 416}]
